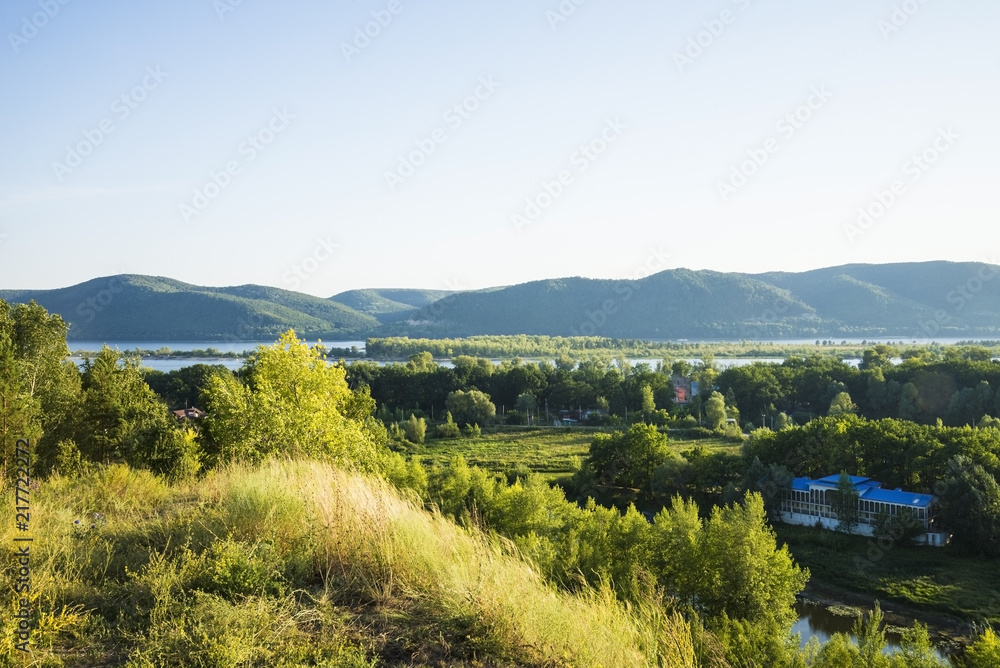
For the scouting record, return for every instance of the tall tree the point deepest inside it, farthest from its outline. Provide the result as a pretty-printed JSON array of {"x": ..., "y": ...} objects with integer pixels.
[
  {"x": 291, "y": 402},
  {"x": 845, "y": 500},
  {"x": 715, "y": 411}
]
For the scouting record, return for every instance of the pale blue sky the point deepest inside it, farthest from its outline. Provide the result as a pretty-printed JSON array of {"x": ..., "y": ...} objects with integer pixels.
[{"x": 651, "y": 200}]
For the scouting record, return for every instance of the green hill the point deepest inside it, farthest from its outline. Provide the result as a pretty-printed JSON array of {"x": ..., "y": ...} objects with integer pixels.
[
  {"x": 146, "y": 308},
  {"x": 927, "y": 299},
  {"x": 389, "y": 305},
  {"x": 907, "y": 299}
]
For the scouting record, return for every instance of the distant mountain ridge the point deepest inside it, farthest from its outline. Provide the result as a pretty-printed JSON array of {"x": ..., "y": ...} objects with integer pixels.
[{"x": 926, "y": 299}]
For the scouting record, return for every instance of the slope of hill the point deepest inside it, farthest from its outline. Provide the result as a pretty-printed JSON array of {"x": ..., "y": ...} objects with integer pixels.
[
  {"x": 295, "y": 563},
  {"x": 928, "y": 299},
  {"x": 389, "y": 305},
  {"x": 907, "y": 299},
  {"x": 146, "y": 308}
]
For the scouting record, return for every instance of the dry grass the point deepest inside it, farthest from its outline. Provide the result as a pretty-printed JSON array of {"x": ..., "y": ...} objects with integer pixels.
[{"x": 296, "y": 563}]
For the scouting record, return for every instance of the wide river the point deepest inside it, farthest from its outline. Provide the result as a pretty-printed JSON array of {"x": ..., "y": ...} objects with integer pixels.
[{"x": 172, "y": 364}]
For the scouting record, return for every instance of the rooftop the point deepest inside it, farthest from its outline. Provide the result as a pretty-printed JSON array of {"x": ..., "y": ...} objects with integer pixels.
[{"x": 868, "y": 489}]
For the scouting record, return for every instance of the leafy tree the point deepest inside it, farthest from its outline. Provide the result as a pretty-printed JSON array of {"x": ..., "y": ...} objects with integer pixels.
[
  {"x": 628, "y": 459},
  {"x": 871, "y": 640},
  {"x": 290, "y": 402},
  {"x": 122, "y": 420},
  {"x": 842, "y": 404},
  {"x": 971, "y": 507},
  {"x": 648, "y": 402},
  {"x": 783, "y": 421},
  {"x": 470, "y": 407},
  {"x": 39, "y": 387},
  {"x": 845, "y": 504},
  {"x": 984, "y": 652},
  {"x": 421, "y": 362},
  {"x": 415, "y": 429},
  {"x": 878, "y": 357},
  {"x": 715, "y": 411},
  {"x": 727, "y": 565},
  {"x": 916, "y": 650},
  {"x": 527, "y": 404}
]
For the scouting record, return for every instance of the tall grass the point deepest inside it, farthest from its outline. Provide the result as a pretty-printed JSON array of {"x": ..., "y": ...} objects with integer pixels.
[
  {"x": 372, "y": 542},
  {"x": 295, "y": 563}
]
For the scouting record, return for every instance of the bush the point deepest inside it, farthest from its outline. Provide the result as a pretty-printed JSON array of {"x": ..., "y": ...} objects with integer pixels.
[{"x": 449, "y": 429}]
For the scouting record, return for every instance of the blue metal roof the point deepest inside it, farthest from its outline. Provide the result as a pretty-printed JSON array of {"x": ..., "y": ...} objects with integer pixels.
[
  {"x": 868, "y": 489},
  {"x": 899, "y": 497},
  {"x": 801, "y": 484},
  {"x": 835, "y": 480}
]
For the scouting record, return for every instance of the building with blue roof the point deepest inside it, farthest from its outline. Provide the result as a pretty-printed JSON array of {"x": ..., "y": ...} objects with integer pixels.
[{"x": 811, "y": 502}]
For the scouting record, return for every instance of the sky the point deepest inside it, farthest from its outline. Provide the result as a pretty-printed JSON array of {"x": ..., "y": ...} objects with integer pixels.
[{"x": 324, "y": 147}]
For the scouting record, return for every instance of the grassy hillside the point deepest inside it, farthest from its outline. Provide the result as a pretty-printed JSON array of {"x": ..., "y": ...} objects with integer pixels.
[
  {"x": 296, "y": 564},
  {"x": 152, "y": 308}
]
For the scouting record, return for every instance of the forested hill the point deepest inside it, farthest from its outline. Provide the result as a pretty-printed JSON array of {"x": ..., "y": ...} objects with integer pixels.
[
  {"x": 147, "y": 308},
  {"x": 389, "y": 305},
  {"x": 929, "y": 299}
]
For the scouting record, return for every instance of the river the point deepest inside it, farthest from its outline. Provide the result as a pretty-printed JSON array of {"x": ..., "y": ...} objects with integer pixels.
[{"x": 815, "y": 619}]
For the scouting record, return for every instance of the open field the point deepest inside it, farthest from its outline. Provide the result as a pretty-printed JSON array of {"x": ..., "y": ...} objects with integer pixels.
[{"x": 550, "y": 451}]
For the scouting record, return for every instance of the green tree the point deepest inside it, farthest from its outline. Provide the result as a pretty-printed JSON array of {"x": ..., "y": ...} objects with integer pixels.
[
  {"x": 845, "y": 504},
  {"x": 527, "y": 404},
  {"x": 290, "y": 402},
  {"x": 842, "y": 404},
  {"x": 970, "y": 507},
  {"x": 472, "y": 407},
  {"x": 39, "y": 387},
  {"x": 727, "y": 565},
  {"x": 121, "y": 420},
  {"x": 715, "y": 411},
  {"x": 648, "y": 402},
  {"x": 415, "y": 429},
  {"x": 984, "y": 652},
  {"x": 628, "y": 459}
]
